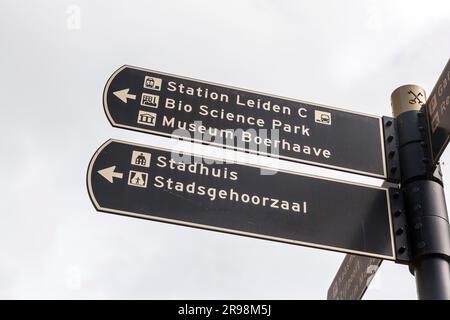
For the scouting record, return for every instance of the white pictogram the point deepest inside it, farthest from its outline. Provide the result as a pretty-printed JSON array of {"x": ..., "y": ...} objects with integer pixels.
[
  {"x": 152, "y": 83},
  {"x": 137, "y": 179},
  {"x": 322, "y": 117},
  {"x": 139, "y": 158},
  {"x": 435, "y": 122},
  {"x": 433, "y": 104},
  {"x": 147, "y": 118},
  {"x": 149, "y": 100}
]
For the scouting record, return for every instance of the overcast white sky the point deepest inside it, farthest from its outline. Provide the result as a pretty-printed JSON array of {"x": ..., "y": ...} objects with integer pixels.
[{"x": 350, "y": 54}]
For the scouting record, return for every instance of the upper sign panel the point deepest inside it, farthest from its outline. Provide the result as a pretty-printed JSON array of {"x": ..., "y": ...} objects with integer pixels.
[
  {"x": 438, "y": 117},
  {"x": 238, "y": 119}
]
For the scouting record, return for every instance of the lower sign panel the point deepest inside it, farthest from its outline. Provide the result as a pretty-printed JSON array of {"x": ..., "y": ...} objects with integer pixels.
[
  {"x": 353, "y": 278},
  {"x": 203, "y": 192}
]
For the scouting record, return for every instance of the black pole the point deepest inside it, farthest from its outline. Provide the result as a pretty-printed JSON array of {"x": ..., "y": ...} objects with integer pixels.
[
  {"x": 429, "y": 234},
  {"x": 429, "y": 272},
  {"x": 426, "y": 211}
]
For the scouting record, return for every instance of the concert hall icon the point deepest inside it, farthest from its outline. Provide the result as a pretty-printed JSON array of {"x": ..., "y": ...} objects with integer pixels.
[{"x": 137, "y": 179}]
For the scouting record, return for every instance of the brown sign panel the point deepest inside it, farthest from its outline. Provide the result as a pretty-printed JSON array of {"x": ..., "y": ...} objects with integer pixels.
[
  {"x": 438, "y": 111},
  {"x": 243, "y": 199},
  {"x": 204, "y": 112},
  {"x": 353, "y": 277}
]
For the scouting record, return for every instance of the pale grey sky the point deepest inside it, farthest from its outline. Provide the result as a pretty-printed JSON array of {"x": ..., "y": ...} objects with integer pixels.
[{"x": 53, "y": 244}]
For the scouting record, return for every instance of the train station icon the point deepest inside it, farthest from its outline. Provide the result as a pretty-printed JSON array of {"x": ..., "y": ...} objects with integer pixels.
[
  {"x": 139, "y": 158},
  {"x": 152, "y": 83},
  {"x": 137, "y": 179}
]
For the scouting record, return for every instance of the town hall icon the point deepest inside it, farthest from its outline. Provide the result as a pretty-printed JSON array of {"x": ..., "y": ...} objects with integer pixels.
[{"x": 139, "y": 158}]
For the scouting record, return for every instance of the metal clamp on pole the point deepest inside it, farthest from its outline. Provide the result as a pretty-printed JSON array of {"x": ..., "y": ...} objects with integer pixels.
[{"x": 426, "y": 211}]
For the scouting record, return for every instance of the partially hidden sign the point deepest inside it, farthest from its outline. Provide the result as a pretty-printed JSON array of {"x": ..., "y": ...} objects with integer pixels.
[
  {"x": 249, "y": 200},
  {"x": 438, "y": 110},
  {"x": 244, "y": 120},
  {"x": 353, "y": 277}
]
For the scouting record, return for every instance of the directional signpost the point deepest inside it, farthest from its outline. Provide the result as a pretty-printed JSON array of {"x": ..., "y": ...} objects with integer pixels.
[
  {"x": 408, "y": 225},
  {"x": 425, "y": 209},
  {"x": 159, "y": 184},
  {"x": 438, "y": 110},
  {"x": 203, "y": 112},
  {"x": 353, "y": 277}
]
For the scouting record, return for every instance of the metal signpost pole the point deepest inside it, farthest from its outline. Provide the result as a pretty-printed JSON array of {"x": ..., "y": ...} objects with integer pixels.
[{"x": 428, "y": 227}]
